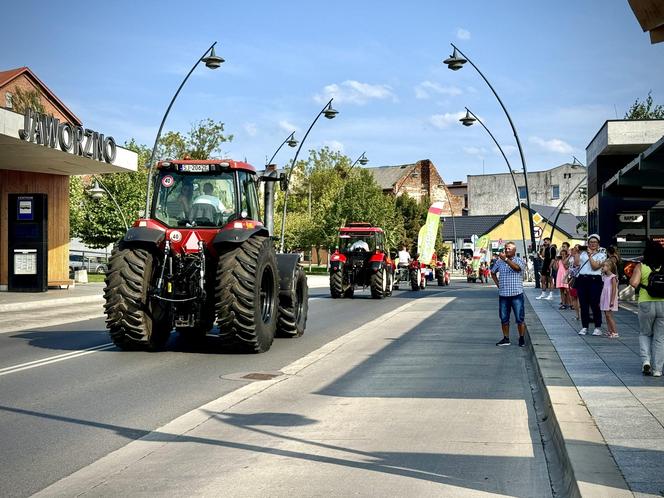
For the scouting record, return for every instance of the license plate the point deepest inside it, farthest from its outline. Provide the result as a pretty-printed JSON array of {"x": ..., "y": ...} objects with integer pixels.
[{"x": 194, "y": 168}]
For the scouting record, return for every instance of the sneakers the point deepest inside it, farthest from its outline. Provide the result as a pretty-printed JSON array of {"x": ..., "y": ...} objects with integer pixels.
[
  {"x": 541, "y": 296},
  {"x": 505, "y": 341},
  {"x": 522, "y": 341},
  {"x": 549, "y": 297},
  {"x": 646, "y": 369},
  {"x": 598, "y": 332},
  {"x": 657, "y": 373},
  {"x": 583, "y": 331}
]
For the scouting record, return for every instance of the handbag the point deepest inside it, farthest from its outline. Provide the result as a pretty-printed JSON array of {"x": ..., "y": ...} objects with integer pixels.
[{"x": 572, "y": 273}]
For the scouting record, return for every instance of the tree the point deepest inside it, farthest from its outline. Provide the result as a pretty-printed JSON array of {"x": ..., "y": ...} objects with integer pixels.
[
  {"x": 645, "y": 109},
  {"x": 414, "y": 216},
  {"x": 27, "y": 99},
  {"x": 97, "y": 222}
]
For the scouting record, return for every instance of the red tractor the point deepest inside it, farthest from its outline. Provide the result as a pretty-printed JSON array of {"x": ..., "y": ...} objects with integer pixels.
[
  {"x": 442, "y": 273},
  {"x": 361, "y": 261},
  {"x": 201, "y": 256}
]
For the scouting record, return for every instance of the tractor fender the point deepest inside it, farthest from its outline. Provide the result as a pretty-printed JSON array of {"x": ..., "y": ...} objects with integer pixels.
[
  {"x": 337, "y": 258},
  {"x": 143, "y": 236},
  {"x": 238, "y": 235},
  {"x": 286, "y": 264}
]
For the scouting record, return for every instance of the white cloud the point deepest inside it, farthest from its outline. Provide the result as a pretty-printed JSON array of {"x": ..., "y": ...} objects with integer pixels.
[
  {"x": 355, "y": 92},
  {"x": 426, "y": 88},
  {"x": 334, "y": 145},
  {"x": 508, "y": 149},
  {"x": 287, "y": 126},
  {"x": 445, "y": 120},
  {"x": 475, "y": 151},
  {"x": 251, "y": 129},
  {"x": 463, "y": 34},
  {"x": 553, "y": 145}
]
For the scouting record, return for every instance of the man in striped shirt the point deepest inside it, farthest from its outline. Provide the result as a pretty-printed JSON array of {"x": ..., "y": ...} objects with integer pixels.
[{"x": 507, "y": 273}]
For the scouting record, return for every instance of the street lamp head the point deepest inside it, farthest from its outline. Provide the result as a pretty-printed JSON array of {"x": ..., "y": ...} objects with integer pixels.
[
  {"x": 467, "y": 120},
  {"x": 96, "y": 192},
  {"x": 292, "y": 142},
  {"x": 329, "y": 112},
  {"x": 363, "y": 160},
  {"x": 212, "y": 61},
  {"x": 455, "y": 61}
]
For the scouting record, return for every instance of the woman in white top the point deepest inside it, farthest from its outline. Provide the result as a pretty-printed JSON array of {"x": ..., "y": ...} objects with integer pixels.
[{"x": 589, "y": 283}]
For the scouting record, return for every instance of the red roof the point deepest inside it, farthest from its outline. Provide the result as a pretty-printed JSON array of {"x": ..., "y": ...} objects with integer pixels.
[
  {"x": 360, "y": 228},
  {"x": 230, "y": 162},
  {"x": 11, "y": 74}
]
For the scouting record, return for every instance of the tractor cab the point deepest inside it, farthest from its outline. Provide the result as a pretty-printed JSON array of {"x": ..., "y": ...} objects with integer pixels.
[{"x": 204, "y": 194}]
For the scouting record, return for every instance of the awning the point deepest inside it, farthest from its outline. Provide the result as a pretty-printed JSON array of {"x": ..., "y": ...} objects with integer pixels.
[
  {"x": 642, "y": 178},
  {"x": 20, "y": 155}
]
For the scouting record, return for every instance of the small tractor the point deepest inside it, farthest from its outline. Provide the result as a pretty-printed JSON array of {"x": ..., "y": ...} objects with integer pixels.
[
  {"x": 361, "y": 261},
  {"x": 442, "y": 274},
  {"x": 199, "y": 256}
]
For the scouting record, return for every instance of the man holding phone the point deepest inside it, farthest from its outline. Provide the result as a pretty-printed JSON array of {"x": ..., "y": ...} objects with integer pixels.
[
  {"x": 507, "y": 273},
  {"x": 548, "y": 255}
]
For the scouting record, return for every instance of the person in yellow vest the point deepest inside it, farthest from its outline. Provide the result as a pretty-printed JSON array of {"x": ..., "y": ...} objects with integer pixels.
[{"x": 651, "y": 310}]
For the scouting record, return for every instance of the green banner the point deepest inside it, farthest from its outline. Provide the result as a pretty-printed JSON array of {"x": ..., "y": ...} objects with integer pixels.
[{"x": 426, "y": 239}]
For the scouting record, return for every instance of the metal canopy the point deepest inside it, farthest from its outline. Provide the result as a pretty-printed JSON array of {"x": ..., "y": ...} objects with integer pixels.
[{"x": 642, "y": 178}]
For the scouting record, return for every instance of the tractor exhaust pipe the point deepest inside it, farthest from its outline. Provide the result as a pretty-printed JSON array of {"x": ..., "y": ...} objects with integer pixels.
[{"x": 269, "y": 179}]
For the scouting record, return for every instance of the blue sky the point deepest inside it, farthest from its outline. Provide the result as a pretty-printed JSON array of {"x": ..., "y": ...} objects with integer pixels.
[{"x": 561, "y": 68}]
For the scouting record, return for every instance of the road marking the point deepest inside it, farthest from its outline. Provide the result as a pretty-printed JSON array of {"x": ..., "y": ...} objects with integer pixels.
[{"x": 54, "y": 359}]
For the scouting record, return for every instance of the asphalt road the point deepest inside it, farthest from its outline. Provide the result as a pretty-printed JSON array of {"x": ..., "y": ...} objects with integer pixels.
[{"x": 68, "y": 397}]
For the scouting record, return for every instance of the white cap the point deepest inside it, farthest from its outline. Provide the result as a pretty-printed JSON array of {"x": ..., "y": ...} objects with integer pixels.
[{"x": 593, "y": 236}]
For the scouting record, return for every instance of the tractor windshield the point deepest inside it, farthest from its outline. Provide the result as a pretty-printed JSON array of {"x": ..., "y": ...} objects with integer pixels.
[
  {"x": 349, "y": 242},
  {"x": 201, "y": 200}
]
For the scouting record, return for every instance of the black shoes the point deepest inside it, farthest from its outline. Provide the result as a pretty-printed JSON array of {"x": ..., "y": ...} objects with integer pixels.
[
  {"x": 522, "y": 341},
  {"x": 505, "y": 341},
  {"x": 646, "y": 369}
]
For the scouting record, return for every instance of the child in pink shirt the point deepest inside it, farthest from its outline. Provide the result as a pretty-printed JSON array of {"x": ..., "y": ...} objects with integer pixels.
[{"x": 608, "y": 302}]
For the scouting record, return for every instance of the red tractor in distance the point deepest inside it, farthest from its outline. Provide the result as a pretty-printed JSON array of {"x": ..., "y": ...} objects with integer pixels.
[
  {"x": 201, "y": 256},
  {"x": 361, "y": 261}
]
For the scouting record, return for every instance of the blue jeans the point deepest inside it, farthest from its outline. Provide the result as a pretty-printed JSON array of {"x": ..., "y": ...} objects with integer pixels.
[{"x": 508, "y": 303}]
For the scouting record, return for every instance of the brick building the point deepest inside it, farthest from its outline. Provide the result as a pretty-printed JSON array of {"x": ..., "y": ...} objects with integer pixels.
[{"x": 419, "y": 180}]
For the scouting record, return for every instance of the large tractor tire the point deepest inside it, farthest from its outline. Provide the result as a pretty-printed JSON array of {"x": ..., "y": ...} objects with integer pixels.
[
  {"x": 134, "y": 321},
  {"x": 336, "y": 284},
  {"x": 415, "y": 279},
  {"x": 294, "y": 307},
  {"x": 378, "y": 284},
  {"x": 247, "y": 294}
]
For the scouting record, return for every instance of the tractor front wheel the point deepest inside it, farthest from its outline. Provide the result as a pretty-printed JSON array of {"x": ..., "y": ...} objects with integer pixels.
[
  {"x": 134, "y": 320},
  {"x": 336, "y": 284},
  {"x": 247, "y": 294},
  {"x": 293, "y": 308}
]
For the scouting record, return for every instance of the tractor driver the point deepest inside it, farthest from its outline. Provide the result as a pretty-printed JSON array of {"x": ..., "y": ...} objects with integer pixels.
[
  {"x": 404, "y": 256},
  {"x": 208, "y": 197},
  {"x": 359, "y": 245}
]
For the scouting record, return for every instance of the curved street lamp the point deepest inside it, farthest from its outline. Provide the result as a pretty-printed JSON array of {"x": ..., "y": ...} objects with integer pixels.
[
  {"x": 212, "y": 61},
  {"x": 329, "y": 113},
  {"x": 469, "y": 120},
  {"x": 290, "y": 140},
  {"x": 456, "y": 62},
  {"x": 98, "y": 192}
]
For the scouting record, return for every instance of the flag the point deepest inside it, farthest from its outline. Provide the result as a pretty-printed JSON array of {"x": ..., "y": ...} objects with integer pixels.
[
  {"x": 481, "y": 251},
  {"x": 426, "y": 239}
]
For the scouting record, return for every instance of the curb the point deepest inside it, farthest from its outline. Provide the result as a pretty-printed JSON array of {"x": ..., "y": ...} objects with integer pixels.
[
  {"x": 50, "y": 303},
  {"x": 588, "y": 467}
]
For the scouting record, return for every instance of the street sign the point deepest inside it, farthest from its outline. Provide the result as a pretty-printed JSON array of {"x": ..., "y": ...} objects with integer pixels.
[{"x": 538, "y": 232}]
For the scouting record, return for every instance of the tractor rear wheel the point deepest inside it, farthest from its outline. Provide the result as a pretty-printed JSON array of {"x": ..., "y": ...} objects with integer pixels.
[
  {"x": 134, "y": 321},
  {"x": 415, "y": 279},
  {"x": 378, "y": 284},
  {"x": 336, "y": 284},
  {"x": 247, "y": 294},
  {"x": 293, "y": 309}
]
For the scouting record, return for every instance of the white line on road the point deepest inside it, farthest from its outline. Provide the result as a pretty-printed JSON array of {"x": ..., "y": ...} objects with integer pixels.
[{"x": 54, "y": 359}]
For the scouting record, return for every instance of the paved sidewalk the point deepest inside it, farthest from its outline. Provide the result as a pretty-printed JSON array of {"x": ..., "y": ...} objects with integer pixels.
[{"x": 627, "y": 407}]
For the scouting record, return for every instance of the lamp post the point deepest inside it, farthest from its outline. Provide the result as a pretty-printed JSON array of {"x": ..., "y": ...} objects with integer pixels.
[
  {"x": 468, "y": 120},
  {"x": 98, "y": 192},
  {"x": 290, "y": 140},
  {"x": 212, "y": 61},
  {"x": 456, "y": 62},
  {"x": 562, "y": 204},
  {"x": 329, "y": 113}
]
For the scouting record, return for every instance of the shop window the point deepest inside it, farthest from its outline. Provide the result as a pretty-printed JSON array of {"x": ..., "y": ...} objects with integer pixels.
[
  {"x": 555, "y": 192},
  {"x": 522, "y": 193},
  {"x": 9, "y": 100}
]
